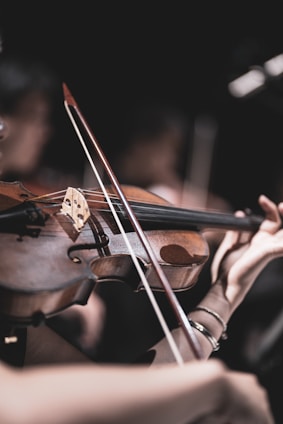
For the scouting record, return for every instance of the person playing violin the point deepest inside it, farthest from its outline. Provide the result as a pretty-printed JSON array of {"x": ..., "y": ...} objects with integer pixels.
[
  {"x": 76, "y": 390},
  {"x": 202, "y": 391},
  {"x": 30, "y": 92}
]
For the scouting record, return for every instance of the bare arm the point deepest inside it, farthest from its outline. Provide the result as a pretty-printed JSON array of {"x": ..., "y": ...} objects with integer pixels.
[
  {"x": 170, "y": 394},
  {"x": 239, "y": 259}
]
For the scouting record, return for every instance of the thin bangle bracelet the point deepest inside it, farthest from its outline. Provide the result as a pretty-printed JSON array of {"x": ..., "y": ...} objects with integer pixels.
[
  {"x": 224, "y": 334},
  {"x": 203, "y": 330}
]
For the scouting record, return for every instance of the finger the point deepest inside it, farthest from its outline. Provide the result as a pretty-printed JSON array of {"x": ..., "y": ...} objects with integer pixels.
[
  {"x": 280, "y": 207},
  {"x": 242, "y": 237},
  {"x": 272, "y": 221},
  {"x": 231, "y": 239},
  {"x": 234, "y": 237}
]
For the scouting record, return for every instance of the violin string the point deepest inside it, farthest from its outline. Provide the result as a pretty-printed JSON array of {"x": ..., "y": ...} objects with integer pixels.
[
  {"x": 92, "y": 197},
  {"x": 51, "y": 197},
  {"x": 163, "y": 213},
  {"x": 140, "y": 271}
]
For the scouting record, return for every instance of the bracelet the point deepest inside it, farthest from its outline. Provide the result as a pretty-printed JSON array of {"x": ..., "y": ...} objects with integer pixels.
[
  {"x": 224, "y": 335},
  {"x": 202, "y": 329}
]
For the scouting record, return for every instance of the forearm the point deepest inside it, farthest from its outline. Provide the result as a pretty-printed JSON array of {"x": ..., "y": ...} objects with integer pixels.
[
  {"x": 102, "y": 394},
  {"x": 214, "y": 314},
  {"x": 216, "y": 301}
]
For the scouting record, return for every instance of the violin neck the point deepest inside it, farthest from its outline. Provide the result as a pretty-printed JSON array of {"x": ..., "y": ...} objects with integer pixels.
[{"x": 168, "y": 217}]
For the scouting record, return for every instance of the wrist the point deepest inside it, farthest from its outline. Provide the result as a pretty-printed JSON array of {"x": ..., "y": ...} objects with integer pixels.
[
  {"x": 217, "y": 300},
  {"x": 213, "y": 313}
]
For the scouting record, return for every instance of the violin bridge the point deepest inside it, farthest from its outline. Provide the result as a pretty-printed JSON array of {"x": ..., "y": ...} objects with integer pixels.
[{"x": 76, "y": 207}]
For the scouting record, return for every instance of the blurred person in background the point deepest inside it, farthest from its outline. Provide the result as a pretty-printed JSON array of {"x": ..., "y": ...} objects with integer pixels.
[
  {"x": 30, "y": 101},
  {"x": 155, "y": 155}
]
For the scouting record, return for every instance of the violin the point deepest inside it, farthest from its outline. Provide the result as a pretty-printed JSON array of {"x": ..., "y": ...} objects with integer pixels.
[{"x": 58, "y": 262}]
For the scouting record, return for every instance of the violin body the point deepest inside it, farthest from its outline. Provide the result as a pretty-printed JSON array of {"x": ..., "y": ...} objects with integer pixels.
[{"x": 45, "y": 269}]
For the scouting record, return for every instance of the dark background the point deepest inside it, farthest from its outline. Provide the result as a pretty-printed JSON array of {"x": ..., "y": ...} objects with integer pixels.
[{"x": 113, "y": 55}]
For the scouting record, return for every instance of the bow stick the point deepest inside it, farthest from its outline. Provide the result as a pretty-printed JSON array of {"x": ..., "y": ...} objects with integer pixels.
[{"x": 71, "y": 108}]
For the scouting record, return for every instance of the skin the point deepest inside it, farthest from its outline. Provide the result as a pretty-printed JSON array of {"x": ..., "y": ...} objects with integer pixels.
[
  {"x": 81, "y": 394},
  {"x": 24, "y": 136}
]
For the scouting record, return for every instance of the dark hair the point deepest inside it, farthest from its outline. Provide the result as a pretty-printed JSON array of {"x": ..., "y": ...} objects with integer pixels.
[
  {"x": 152, "y": 119},
  {"x": 20, "y": 76}
]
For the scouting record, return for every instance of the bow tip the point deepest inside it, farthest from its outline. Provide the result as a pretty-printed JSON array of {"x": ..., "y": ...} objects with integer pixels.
[{"x": 68, "y": 96}]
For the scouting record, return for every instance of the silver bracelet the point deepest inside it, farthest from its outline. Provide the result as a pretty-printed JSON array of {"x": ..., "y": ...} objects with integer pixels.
[
  {"x": 203, "y": 330},
  {"x": 224, "y": 335}
]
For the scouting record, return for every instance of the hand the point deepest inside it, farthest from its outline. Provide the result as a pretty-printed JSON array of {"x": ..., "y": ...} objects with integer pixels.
[
  {"x": 242, "y": 401},
  {"x": 241, "y": 256}
]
